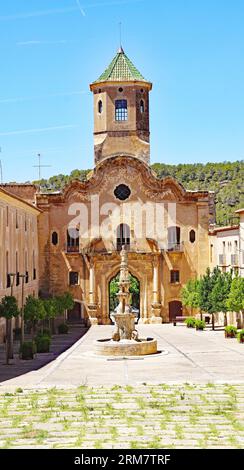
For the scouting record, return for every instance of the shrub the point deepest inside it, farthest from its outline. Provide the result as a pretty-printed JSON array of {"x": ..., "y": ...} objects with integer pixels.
[
  {"x": 43, "y": 344},
  {"x": 200, "y": 324},
  {"x": 63, "y": 329},
  {"x": 240, "y": 336},
  {"x": 190, "y": 322},
  {"x": 230, "y": 331},
  {"x": 28, "y": 350}
]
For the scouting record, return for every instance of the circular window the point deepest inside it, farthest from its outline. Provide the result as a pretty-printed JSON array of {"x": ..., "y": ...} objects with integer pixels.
[
  {"x": 121, "y": 90},
  {"x": 122, "y": 192}
]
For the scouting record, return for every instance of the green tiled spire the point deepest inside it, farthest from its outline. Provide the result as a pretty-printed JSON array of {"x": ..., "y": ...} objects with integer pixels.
[{"x": 121, "y": 69}]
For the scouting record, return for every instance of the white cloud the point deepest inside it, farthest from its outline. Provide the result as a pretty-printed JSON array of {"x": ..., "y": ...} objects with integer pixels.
[
  {"x": 41, "y": 42},
  {"x": 40, "y": 129},
  {"x": 31, "y": 98}
]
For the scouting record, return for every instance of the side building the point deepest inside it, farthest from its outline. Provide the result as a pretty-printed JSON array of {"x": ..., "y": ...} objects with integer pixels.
[
  {"x": 18, "y": 249},
  {"x": 227, "y": 246}
]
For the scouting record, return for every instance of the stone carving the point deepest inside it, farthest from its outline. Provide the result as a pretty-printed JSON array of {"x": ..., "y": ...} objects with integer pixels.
[{"x": 123, "y": 317}]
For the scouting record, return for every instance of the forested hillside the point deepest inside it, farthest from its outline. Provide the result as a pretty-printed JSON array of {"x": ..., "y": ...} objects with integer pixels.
[{"x": 226, "y": 179}]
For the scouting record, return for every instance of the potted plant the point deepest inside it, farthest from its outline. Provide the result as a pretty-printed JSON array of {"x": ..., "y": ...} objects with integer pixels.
[
  {"x": 28, "y": 350},
  {"x": 42, "y": 343},
  {"x": 63, "y": 329},
  {"x": 240, "y": 336},
  {"x": 190, "y": 322},
  {"x": 230, "y": 331},
  {"x": 200, "y": 325}
]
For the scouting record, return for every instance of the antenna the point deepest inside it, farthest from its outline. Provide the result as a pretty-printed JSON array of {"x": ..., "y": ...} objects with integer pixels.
[{"x": 40, "y": 166}]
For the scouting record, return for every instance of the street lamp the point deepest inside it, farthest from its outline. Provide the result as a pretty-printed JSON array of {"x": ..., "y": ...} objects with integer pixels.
[
  {"x": 22, "y": 322},
  {"x": 10, "y": 322}
]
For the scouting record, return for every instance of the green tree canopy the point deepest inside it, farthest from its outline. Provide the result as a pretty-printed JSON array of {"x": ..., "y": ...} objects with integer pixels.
[
  {"x": 235, "y": 301},
  {"x": 34, "y": 309},
  {"x": 190, "y": 293},
  {"x": 9, "y": 307}
]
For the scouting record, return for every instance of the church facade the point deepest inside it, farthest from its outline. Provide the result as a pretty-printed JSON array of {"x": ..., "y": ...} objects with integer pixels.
[
  {"x": 163, "y": 227},
  {"x": 80, "y": 230}
]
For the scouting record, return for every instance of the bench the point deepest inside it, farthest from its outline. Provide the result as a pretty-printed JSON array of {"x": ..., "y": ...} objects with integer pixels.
[{"x": 180, "y": 319}]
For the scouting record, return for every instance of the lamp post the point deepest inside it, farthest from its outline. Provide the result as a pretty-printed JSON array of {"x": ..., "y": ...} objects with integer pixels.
[
  {"x": 22, "y": 322},
  {"x": 10, "y": 323}
]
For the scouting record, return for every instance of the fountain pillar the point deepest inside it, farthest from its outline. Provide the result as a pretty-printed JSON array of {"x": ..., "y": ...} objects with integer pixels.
[
  {"x": 92, "y": 306},
  {"x": 125, "y": 340},
  {"x": 156, "y": 304}
]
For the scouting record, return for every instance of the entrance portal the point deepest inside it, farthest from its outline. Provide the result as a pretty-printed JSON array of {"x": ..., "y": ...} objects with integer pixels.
[
  {"x": 175, "y": 309},
  {"x": 134, "y": 295},
  {"x": 75, "y": 315}
]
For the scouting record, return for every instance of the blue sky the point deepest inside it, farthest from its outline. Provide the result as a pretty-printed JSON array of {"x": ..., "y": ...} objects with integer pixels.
[{"x": 51, "y": 50}]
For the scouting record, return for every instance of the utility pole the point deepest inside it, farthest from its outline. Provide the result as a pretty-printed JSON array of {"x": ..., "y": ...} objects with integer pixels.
[{"x": 40, "y": 166}]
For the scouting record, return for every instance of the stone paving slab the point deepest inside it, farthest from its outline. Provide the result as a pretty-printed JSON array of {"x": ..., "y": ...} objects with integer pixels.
[
  {"x": 189, "y": 356},
  {"x": 145, "y": 416}
]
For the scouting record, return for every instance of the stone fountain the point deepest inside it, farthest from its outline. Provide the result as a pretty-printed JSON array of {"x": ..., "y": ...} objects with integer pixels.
[{"x": 125, "y": 340}]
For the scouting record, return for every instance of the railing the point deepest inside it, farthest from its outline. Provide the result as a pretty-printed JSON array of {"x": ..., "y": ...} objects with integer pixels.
[
  {"x": 179, "y": 247},
  {"x": 72, "y": 249},
  {"x": 234, "y": 260},
  {"x": 222, "y": 260}
]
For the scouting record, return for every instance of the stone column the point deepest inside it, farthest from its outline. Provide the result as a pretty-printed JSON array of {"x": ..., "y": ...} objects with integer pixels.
[
  {"x": 92, "y": 306},
  {"x": 156, "y": 304}
]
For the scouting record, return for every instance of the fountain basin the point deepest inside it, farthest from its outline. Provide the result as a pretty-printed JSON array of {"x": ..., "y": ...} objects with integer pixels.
[{"x": 125, "y": 347}]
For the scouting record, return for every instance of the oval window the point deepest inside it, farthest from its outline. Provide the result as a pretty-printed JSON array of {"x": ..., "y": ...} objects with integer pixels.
[
  {"x": 54, "y": 238},
  {"x": 192, "y": 236}
]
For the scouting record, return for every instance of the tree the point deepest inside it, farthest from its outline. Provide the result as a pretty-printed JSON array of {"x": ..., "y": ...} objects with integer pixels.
[
  {"x": 50, "y": 307},
  {"x": 220, "y": 292},
  {"x": 68, "y": 302},
  {"x": 8, "y": 310},
  {"x": 206, "y": 285},
  {"x": 34, "y": 311},
  {"x": 190, "y": 294},
  {"x": 235, "y": 300}
]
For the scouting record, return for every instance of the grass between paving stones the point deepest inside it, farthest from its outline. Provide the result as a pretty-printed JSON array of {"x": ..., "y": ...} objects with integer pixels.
[{"x": 146, "y": 416}]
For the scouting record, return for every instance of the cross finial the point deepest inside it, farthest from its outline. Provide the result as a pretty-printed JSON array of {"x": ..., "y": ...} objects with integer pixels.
[{"x": 121, "y": 51}]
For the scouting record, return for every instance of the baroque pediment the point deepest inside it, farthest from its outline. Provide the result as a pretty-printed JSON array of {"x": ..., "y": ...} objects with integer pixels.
[{"x": 128, "y": 170}]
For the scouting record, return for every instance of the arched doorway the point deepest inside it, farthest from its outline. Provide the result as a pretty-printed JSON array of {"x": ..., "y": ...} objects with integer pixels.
[
  {"x": 113, "y": 289},
  {"x": 175, "y": 309},
  {"x": 76, "y": 314}
]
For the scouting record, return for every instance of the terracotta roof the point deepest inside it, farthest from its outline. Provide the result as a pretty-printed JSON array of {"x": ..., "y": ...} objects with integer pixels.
[
  {"x": 239, "y": 211},
  {"x": 13, "y": 196}
]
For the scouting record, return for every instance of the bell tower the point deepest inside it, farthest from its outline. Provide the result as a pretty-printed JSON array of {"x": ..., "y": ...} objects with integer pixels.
[{"x": 121, "y": 111}]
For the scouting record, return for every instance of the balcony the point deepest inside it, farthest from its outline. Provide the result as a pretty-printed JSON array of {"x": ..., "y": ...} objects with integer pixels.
[
  {"x": 234, "y": 260},
  {"x": 72, "y": 249},
  {"x": 222, "y": 260},
  {"x": 175, "y": 247}
]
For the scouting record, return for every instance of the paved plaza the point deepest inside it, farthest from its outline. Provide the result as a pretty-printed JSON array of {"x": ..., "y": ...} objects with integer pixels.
[{"x": 185, "y": 355}]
